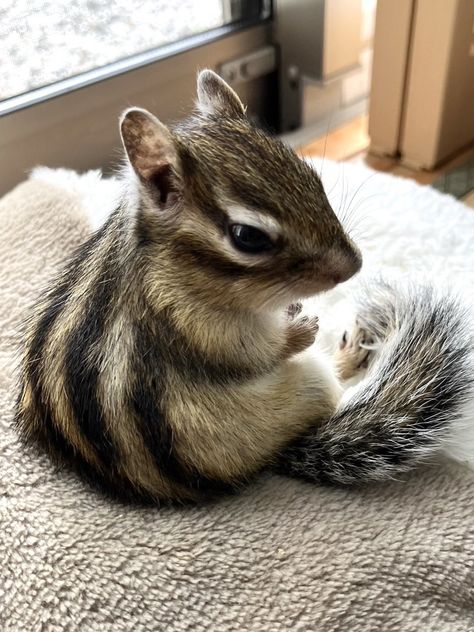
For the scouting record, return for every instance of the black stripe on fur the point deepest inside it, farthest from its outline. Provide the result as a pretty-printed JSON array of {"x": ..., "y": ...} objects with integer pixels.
[
  {"x": 145, "y": 403},
  {"x": 36, "y": 426},
  {"x": 81, "y": 362}
]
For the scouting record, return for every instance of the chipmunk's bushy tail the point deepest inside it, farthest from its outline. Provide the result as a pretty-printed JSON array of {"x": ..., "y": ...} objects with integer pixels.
[{"x": 416, "y": 399}]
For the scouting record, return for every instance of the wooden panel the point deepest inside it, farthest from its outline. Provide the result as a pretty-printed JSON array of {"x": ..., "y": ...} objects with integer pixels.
[
  {"x": 342, "y": 35},
  {"x": 391, "y": 46},
  {"x": 439, "y": 117}
]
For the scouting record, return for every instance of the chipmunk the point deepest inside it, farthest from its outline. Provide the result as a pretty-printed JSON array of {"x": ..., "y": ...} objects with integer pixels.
[{"x": 164, "y": 363}]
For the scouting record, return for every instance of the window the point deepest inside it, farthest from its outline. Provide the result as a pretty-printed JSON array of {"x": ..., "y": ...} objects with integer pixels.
[
  {"x": 69, "y": 68},
  {"x": 44, "y": 42}
]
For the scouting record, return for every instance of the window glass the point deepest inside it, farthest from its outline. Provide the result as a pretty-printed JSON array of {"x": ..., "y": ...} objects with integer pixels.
[{"x": 45, "y": 41}]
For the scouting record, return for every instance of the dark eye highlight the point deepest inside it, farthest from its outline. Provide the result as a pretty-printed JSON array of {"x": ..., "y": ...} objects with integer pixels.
[{"x": 250, "y": 239}]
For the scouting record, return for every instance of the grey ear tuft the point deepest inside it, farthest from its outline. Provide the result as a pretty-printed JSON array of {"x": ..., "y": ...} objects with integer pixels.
[{"x": 216, "y": 97}]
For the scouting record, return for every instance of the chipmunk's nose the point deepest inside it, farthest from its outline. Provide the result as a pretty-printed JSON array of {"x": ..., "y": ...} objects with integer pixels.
[{"x": 343, "y": 262}]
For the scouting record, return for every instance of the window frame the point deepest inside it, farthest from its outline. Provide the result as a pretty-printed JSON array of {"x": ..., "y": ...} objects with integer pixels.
[{"x": 73, "y": 123}]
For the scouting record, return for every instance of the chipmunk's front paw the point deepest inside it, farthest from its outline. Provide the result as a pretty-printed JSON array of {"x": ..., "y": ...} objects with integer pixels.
[
  {"x": 301, "y": 333},
  {"x": 294, "y": 310},
  {"x": 354, "y": 353}
]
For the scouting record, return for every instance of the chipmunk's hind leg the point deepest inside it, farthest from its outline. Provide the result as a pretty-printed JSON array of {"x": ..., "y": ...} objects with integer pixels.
[
  {"x": 355, "y": 352},
  {"x": 375, "y": 319}
]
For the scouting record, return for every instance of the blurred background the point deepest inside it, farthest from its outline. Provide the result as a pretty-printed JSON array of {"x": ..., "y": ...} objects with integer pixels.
[{"x": 389, "y": 83}]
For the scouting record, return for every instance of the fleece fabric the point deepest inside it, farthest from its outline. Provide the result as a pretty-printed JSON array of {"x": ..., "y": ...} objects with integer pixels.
[{"x": 282, "y": 555}]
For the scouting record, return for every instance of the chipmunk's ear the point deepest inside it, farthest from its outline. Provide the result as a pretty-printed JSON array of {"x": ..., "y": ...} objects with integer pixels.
[
  {"x": 216, "y": 97},
  {"x": 151, "y": 150}
]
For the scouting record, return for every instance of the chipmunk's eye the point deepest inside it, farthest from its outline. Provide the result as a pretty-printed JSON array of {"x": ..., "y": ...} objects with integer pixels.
[{"x": 250, "y": 239}]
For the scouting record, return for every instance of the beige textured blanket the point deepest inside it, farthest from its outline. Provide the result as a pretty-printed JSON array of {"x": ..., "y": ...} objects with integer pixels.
[{"x": 284, "y": 555}]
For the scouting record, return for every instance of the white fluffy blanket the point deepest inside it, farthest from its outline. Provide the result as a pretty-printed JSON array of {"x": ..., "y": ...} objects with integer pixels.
[{"x": 284, "y": 555}]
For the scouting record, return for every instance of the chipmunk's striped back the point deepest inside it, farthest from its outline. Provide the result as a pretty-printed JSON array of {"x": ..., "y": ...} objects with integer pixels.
[{"x": 94, "y": 376}]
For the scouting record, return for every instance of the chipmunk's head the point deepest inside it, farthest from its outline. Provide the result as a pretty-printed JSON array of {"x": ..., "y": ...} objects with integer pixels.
[{"x": 243, "y": 219}]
